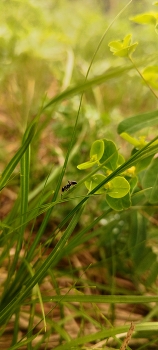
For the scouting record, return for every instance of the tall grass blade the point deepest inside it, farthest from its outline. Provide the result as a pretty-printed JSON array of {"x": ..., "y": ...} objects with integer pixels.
[{"x": 14, "y": 161}]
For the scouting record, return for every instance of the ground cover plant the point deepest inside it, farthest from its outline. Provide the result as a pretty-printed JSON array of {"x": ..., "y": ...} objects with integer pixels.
[{"x": 79, "y": 183}]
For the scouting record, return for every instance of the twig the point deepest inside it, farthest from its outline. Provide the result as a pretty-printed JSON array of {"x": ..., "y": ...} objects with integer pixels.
[{"x": 128, "y": 337}]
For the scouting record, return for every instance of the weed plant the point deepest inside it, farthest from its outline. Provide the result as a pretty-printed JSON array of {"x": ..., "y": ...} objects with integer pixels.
[{"x": 78, "y": 266}]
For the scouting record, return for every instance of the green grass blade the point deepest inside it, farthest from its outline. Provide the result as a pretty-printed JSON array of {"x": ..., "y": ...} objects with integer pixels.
[
  {"x": 14, "y": 161},
  {"x": 24, "y": 189},
  {"x": 86, "y": 85},
  {"x": 24, "y": 186},
  {"x": 110, "y": 299}
]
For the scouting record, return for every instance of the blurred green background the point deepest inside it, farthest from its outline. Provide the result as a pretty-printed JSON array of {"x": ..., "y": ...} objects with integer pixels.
[{"x": 47, "y": 46}]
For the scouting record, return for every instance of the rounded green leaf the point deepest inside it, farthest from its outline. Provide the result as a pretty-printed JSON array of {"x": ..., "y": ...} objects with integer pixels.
[
  {"x": 94, "y": 181},
  {"x": 97, "y": 149},
  {"x": 133, "y": 183},
  {"x": 121, "y": 159},
  {"x": 119, "y": 203},
  {"x": 110, "y": 150},
  {"x": 118, "y": 187}
]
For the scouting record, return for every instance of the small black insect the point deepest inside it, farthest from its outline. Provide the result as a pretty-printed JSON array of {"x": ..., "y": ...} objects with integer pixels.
[{"x": 70, "y": 183}]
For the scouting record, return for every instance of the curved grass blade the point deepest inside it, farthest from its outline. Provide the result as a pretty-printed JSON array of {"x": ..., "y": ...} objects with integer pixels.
[{"x": 81, "y": 88}]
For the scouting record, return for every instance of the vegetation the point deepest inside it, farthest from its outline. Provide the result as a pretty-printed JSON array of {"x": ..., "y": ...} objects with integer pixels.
[{"x": 79, "y": 184}]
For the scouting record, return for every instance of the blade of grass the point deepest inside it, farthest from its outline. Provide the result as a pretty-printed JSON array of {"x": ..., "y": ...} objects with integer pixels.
[
  {"x": 24, "y": 188},
  {"x": 16, "y": 327},
  {"x": 36, "y": 290},
  {"x": 110, "y": 299},
  {"x": 14, "y": 161},
  {"x": 81, "y": 88}
]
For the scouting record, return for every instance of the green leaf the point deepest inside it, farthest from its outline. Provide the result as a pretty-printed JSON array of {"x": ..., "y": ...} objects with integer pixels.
[
  {"x": 150, "y": 179},
  {"x": 121, "y": 159},
  {"x": 119, "y": 203},
  {"x": 109, "y": 149},
  {"x": 145, "y": 18},
  {"x": 138, "y": 122},
  {"x": 133, "y": 183},
  {"x": 84, "y": 86},
  {"x": 123, "y": 48},
  {"x": 86, "y": 165},
  {"x": 143, "y": 164},
  {"x": 118, "y": 187},
  {"x": 94, "y": 181},
  {"x": 97, "y": 150}
]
